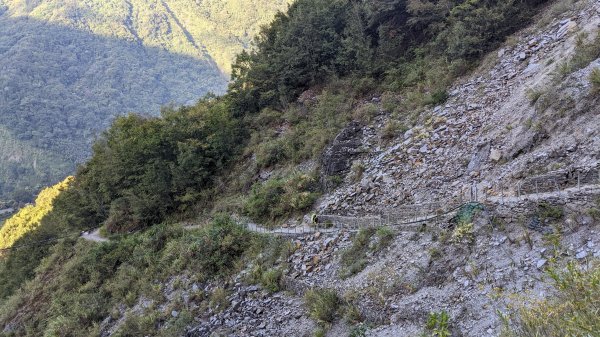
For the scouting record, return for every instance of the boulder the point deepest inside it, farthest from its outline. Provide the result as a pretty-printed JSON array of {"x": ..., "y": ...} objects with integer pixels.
[{"x": 338, "y": 158}]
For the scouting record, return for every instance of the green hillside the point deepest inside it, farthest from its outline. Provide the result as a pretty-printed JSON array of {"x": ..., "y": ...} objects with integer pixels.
[
  {"x": 195, "y": 162},
  {"x": 69, "y": 68},
  {"x": 315, "y": 69},
  {"x": 23, "y": 165}
]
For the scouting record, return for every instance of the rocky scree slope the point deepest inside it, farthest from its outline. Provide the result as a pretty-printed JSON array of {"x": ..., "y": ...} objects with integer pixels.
[{"x": 490, "y": 132}]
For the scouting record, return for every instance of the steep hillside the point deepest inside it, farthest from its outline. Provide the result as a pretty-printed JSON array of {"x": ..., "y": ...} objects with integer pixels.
[
  {"x": 208, "y": 30},
  {"x": 30, "y": 216},
  {"x": 380, "y": 168},
  {"x": 69, "y": 68}
]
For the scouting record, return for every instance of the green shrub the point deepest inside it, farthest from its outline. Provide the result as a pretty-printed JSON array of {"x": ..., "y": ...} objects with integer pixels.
[
  {"x": 135, "y": 325},
  {"x": 594, "y": 213},
  {"x": 365, "y": 113},
  {"x": 357, "y": 169},
  {"x": 322, "y": 305},
  {"x": 533, "y": 95},
  {"x": 272, "y": 152},
  {"x": 437, "y": 324},
  {"x": 390, "y": 101},
  {"x": 547, "y": 211},
  {"x": 354, "y": 259},
  {"x": 571, "y": 311},
  {"x": 218, "y": 299},
  {"x": 595, "y": 80},
  {"x": 358, "y": 331},
  {"x": 271, "y": 280},
  {"x": 352, "y": 314},
  {"x": 437, "y": 97},
  {"x": 385, "y": 236},
  {"x": 392, "y": 129},
  {"x": 463, "y": 233},
  {"x": 278, "y": 198}
]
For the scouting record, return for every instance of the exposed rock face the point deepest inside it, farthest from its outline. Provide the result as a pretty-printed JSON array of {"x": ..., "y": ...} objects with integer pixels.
[
  {"x": 479, "y": 157},
  {"x": 338, "y": 157}
]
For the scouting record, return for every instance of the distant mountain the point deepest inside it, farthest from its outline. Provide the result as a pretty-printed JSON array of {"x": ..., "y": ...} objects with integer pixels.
[{"x": 67, "y": 68}]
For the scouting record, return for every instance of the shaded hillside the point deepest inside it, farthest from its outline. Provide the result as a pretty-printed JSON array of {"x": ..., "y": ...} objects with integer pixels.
[
  {"x": 23, "y": 166},
  {"x": 69, "y": 68},
  {"x": 60, "y": 87}
]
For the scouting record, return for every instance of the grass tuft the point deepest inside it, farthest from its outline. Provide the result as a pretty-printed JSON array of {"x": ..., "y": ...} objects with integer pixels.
[
  {"x": 595, "y": 81},
  {"x": 322, "y": 305},
  {"x": 571, "y": 311}
]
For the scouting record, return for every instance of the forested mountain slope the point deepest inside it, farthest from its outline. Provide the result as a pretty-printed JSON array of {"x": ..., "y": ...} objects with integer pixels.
[
  {"x": 69, "y": 67},
  {"x": 347, "y": 114}
]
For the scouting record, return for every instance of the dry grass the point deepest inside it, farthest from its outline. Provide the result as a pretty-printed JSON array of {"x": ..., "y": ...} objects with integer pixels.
[{"x": 574, "y": 310}]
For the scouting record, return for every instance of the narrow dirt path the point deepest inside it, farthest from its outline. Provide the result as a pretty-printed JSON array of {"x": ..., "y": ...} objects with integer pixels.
[
  {"x": 93, "y": 236},
  {"x": 305, "y": 229}
]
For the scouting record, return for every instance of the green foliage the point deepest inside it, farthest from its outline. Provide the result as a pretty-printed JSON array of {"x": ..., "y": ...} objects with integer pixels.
[
  {"x": 279, "y": 198},
  {"x": 353, "y": 259},
  {"x": 359, "y": 331},
  {"x": 71, "y": 67},
  {"x": 595, "y": 80},
  {"x": 385, "y": 236},
  {"x": 436, "y": 98},
  {"x": 464, "y": 230},
  {"x": 322, "y": 305},
  {"x": 271, "y": 280},
  {"x": 270, "y": 251},
  {"x": 571, "y": 311},
  {"x": 144, "y": 168},
  {"x": 80, "y": 283},
  {"x": 297, "y": 50},
  {"x": 463, "y": 233},
  {"x": 534, "y": 95},
  {"x": 306, "y": 133},
  {"x": 584, "y": 53},
  {"x": 218, "y": 300},
  {"x": 547, "y": 211},
  {"x": 437, "y": 324},
  {"x": 317, "y": 39}
]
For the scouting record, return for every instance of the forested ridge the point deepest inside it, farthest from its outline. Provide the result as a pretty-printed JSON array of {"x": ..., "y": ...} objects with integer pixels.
[
  {"x": 69, "y": 68},
  {"x": 199, "y": 161}
]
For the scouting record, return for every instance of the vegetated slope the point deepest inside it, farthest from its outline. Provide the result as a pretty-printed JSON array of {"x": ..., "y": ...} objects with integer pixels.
[
  {"x": 206, "y": 29},
  {"x": 69, "y": 68},
  {"x": 23, "y": 165},
  {"x": 30, "y": 216},
  {"x": 146, "y": 171}
]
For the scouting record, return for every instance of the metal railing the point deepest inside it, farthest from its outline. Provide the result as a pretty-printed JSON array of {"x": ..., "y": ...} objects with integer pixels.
[
  {"x": 436, "y": 214},
  {"x": 555, "y": 182}
]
